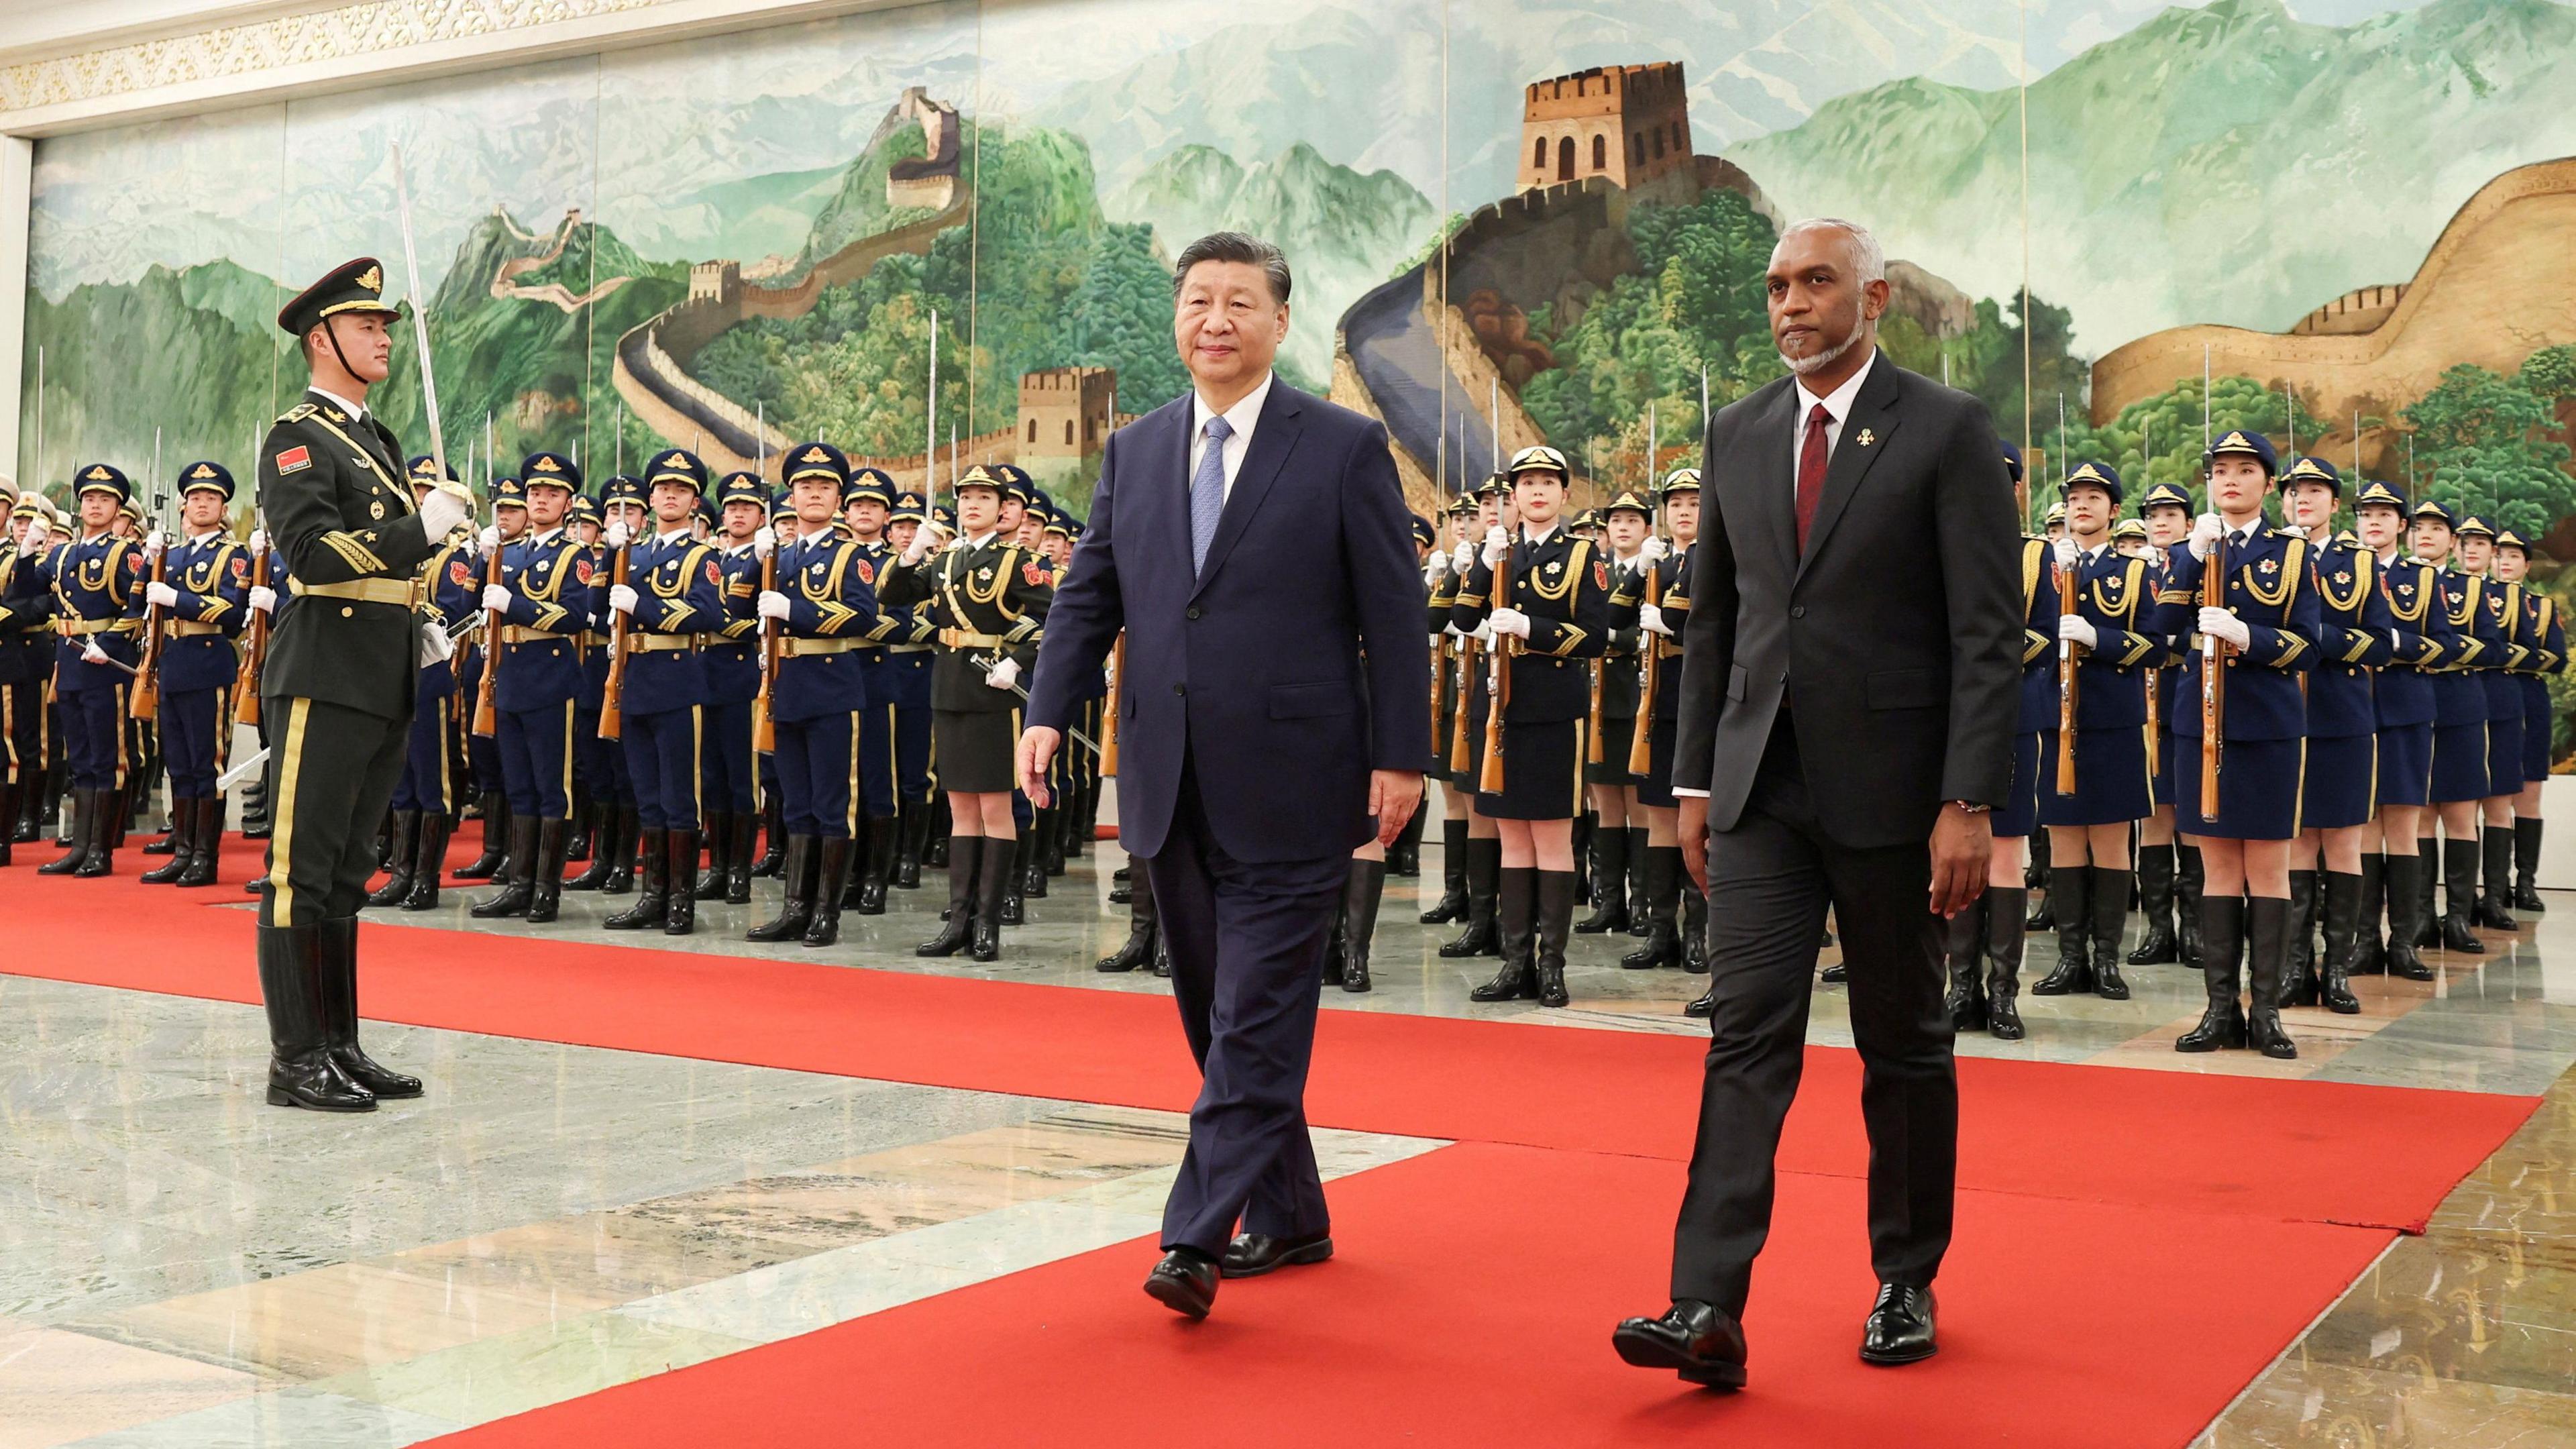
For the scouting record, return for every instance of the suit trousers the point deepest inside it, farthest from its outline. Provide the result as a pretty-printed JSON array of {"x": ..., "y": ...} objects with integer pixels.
[
  {"x": 1247, "y": 946},
  {"x": 331, "y": 772},
  {"x": 662, "y": 761},
  {"x": 1770, "y": 880}
]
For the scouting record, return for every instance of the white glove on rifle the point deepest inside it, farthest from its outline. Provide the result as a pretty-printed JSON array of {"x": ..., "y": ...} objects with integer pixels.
[
  {"x": 1497, "y": 543},
  {"x": 435, "y": 646},
  {"x": 258, "y": 540},
  {"x": 2066, "y": 551},
  {"x": 153, "y": 543},
  {"x": 490, "y": 537},
  {"x": 161, "y": 596},
  {"x": 2205, "y": 532},
  {"x": 764, "y": 541},
  {"x": 773, "y": 604},
  {"x": 1509, "y": 621},
  {"x": 923, "y": 540},
  {"x": 621, "y": 597},
  {"x": 31, "y": 539},
  {"x": 1651, "y": 619},
  {"x": 1653, "y": 550},
  {"x": 91, "y": 653},
  {"x": 263, "y": 598},
  {"x": 2223, "y": 624},
  {"x": 1463, "y": 557},
  {"x": 2072, "y": 628},
  {"x": 440, "y": 513},
  {"x": 617, "y": 535},
  {"x": 496, "y": 597},
  {"x": 1004, "y": 674}
]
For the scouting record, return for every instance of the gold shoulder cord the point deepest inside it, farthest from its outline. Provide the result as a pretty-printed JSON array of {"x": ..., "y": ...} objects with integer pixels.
[
  {"x": 1575, "y": 563},
  {"x": 2291, "y": 565}
]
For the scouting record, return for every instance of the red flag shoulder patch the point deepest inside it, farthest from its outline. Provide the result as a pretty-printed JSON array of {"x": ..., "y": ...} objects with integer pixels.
[
  {"x": 241, "y": 568},
  {"x": 715, "y": 575},
  {"x": 293, "y": 458},
  {"x": 458, "y": 573},
  {"x": 867, "y": 573},
  {"x": 1600, "y": 575},
  {"x": 1035, "y": 575},
  {"x": 581, "y": 569}
]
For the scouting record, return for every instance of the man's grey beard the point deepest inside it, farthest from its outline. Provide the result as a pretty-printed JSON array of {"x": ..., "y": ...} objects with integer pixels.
[{"x": 1804, "y": 366}]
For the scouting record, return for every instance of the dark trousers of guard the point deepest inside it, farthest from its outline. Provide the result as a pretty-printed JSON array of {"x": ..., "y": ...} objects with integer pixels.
[
  {"x": 331, "y": 773},
  {"x": 1770, "y": 881}
]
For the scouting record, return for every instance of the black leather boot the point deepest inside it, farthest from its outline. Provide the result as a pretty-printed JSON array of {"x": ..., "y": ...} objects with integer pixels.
[
  {"x": 2188, "y": 875},
  {"x": 621, "y": 861},
  {"x": 773, "y": 825},
  {"x": 301, "y": 1071},
  {"x": 936, "y": 849},
  {"x": 2428, "y": 921},
  {"x": 992, "y": 898},
  {"x": 2298, "y": 977},
  {"x": 2495, "y": 870},
  {"x": 882, "y": 843},
  {"x": 28, "y": 824},
  {"x": 796, "y": 912},
  {"x": 653, "y": 902},
  {"x": 1138, "y": 950},
  {"x": 339, "y": 981},
  {"x": 2460, "y": 897},
  {"x": 915, "y": 818},
  {"x": 1360, "y": 895},
  {"x": 206, "y": 844},
  {"x": 1640, "y": 899},
  {"x": 2004, "y": 941},
  {"x": 577, "y": 844},
  {"x": 1704, "y": 1005},
  {"x": 2042, "y": 915},
  {"x": 2367, "y": 958},
  {"x": 1694, "y": 919},
  {"x": 2267, "y": 929},
  {"x": 2222, "y": 937},
  {"x": 716, "y": 830},
  {"x": 432, "y": 854},
  {"x": 8, "y": 821},
  {"x": 1663, "y": 907},
  {"x": 2526, "y": 864},
  {"x": 746, "y": 833},
  {"x": 546, "y": 889},
  {"x": 406, "y": 850},
  {"x": 106, "y": 829},
  {"x": 1404, "y": 858},
  {"x": 77, "y": 823},
  {"x": 1609, "y": 884},
  {"x": 831, "y": 883},
  {"x": 604, "y": 846},
  {"x": 1555, "y": 914},
  {"x": 680, "y": 917},
  {"x": 1031, "y": 855},
  {"x": 496, "y": 837},
  {"x": 173, "y": 841},
  {"x": 1452, "y": 905},
  {"x": 1963, "y": 953},
  {"x": 1516, "y": 923},
  {"x": 957, "y": 927},
  {"x": 2070, "y": 905},
  {"x": 2343, "y": 919},
  {"x": 2407, "y": 895},
  {"x": 2109, "y": 891},
  {"x": 2157, "y": 946},
  {"x": 1484, "y": 871}
]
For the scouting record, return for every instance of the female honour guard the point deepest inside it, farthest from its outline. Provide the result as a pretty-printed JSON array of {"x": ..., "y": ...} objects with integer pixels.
[
  {"x": 2337, "y": 801},
  {"x": 2460, "y": 744},
  {"x": 2544, "y": 636},
  {"x": 2403, "y": 702}
]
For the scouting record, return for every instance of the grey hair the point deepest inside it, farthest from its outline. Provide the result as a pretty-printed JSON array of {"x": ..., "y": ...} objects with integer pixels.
[
  {"x": 1868, "y": 259},
  {"x": 1235, "y": 246}
]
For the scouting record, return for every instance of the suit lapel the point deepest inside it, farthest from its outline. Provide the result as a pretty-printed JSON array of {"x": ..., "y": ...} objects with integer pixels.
[
  {"x": 1863, "y": 438},
  {"x": 1775, "y": 508},
  {"x": 1272, "y": 438}
]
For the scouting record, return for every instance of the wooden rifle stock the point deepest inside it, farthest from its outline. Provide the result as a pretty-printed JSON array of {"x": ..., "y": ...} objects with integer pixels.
[
  {"x": 1490, "y": 779},
  {"x": 254, "y": 653},
  {"x": 487, "y": 713},
  {"x": 1459, "y": 756},
  {"x": 145, "y": 702},
  {"x": 1439, "y": 678},
  {"x": 764, "y": 730},
  {"x": 2213, "y": 678},
  {"x": 1118, "y": 685},
  {"x": 612, "y": 694},
  {"x": 1641, "y": 749},
  {"x": 2068, "y": 580}
]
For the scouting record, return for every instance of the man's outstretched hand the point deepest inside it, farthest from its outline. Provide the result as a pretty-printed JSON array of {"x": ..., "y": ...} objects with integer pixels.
[
  {"x": 1393, "y": 797},
  {"x": 1038, "y": 745}
]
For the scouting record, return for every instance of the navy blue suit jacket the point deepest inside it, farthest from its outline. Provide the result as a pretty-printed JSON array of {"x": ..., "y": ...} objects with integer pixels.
[{"x": 1288, "y": 668}]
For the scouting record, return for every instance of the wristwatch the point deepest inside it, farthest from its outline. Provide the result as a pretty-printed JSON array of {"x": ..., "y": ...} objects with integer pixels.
[{"x": 1971, "y": 806}]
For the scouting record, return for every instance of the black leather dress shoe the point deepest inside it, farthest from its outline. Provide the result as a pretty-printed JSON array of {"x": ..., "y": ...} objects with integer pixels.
[
  {"x": 1252, "y": 1254},
  {"x": 1694, "y": 1339},
  {"x": 1899, "y": 1329},
  {"x": 1835, "y": 975},
  {"x": 1184, "y": 1282}
]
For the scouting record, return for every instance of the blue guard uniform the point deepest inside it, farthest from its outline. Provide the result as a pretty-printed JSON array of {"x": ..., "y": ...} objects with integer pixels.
[
  {"x": 482, "y": 751},
  {"x": 2501, "y": 610},
  {"x": 2544, "y": 637},
  {"x": 26, "y": 660},
  {"x": 907, "y": 688},
  {"x": 729, "y": 775},
  {"x": 97, "y": 582},
  {"x": 547, "y": 577},
  {"x": 678, "y": 596},
  {"x": 425, "y": 798},
  {"x": 208, "y": 577},
  {"x": 603, "y": 790},
  {"x": 872, "y": 867}
]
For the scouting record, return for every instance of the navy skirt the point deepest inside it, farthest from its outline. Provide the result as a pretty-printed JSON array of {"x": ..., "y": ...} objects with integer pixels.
[
  {"x": 2406, "y": 764},
  {"x": 2112, "y": 783},
  {"x": 2504, "y": 756},
  {"x": 1656, "y": 788},
  {"x": 2342, "y": 787},
  {"x": 2164, "y": 781},
  {"x": 2539, "y": 726},
  {"x": 1542, "y": 773},
  {"x": 2258, "y": 791},
  {"x": 1617, "y": 736},
  {"x": 2018, "y": 816},
  {"x": 2459, "y": 763}
]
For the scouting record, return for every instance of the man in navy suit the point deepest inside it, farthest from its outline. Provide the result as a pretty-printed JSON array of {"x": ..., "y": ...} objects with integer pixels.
[{"x": 1253, "y": 541}]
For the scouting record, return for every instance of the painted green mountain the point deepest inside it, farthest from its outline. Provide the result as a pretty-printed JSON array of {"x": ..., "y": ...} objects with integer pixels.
[{"x": 2228, "y": 164}]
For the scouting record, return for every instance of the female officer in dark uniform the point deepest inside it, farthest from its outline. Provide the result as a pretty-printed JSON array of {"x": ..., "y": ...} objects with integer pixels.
[{"x": 2459, "y": 737}]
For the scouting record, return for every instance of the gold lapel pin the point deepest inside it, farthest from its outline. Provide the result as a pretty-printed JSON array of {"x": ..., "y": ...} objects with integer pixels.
[{"x": 1867, "y": 437}]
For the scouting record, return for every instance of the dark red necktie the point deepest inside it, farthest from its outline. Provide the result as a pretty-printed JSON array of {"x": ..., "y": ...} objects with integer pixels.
[{"x": 1811, "y": 471}]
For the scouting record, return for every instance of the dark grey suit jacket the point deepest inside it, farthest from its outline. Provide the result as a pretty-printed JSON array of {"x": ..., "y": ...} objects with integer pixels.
[{"x": 1894, "y": 640}]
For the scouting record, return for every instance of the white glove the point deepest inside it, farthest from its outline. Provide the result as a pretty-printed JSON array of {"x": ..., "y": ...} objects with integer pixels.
[
  {"x": 621, "y": 598},
  {"x": 32, "y": 539},
  {"x": 2066, "y": 552},
  {"x": 1004, "y": 674},
  {"x": 263, "y": 598},
  {"x": 1484, "y": 633},
  {"x": 441, "y": 511},
  {"x": 91, "y": 653},
  {"x": 153, "y": 543},
  {"x": 773, "y": 604},
  {"x": 1453, "y": 631},
  {"x": 617, "y": 535},
  {"x": 2223, "y": 624},
  {"x": 1431, "y": 570},
  {"x": 920, "y": 547},
  {"x": 435, "y": 646},
  {"x": 2204, "y": 534},
  {"x": 953, "y": 544},
  {"x": 490, "y": 538},
  {"x": 2073, "y": 628},
  {"x": 1651, "y": 619},
  {"x": 1463, "y": 556},
  {"x": 161, "y": 596},
  {"x": 1509, "y": 621},
  {"x": 764, "y": 541},
  {"x": 1497, "y": 543},
  {"x": 1653, "y": 550},
  {"x": 496, "y": 596}
]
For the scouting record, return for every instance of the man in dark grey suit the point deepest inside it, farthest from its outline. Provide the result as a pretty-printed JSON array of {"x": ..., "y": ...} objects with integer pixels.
[{"x": 1848, "y": 694}]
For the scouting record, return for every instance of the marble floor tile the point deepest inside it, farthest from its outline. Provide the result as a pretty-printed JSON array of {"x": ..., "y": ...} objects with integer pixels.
[
  {"x": 288, "y": 1419},
  {"x": 56, "y": 1387},
  {"x": 511, "y": 1373}
]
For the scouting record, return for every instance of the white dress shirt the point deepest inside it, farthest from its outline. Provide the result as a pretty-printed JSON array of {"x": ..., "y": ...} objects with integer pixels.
[
  {"x": 1241, "y": 417},
  {"x": 1838, "y": 406},
  {"x": 354, "y": 410}
]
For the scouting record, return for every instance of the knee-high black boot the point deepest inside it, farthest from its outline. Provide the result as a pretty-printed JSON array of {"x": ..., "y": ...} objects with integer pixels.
[
  {"x": 680, "y": 917},
  {"x": 2004, "y": 941},
  {"x": 2343, "y": 920},
  {"x": 77, "y": 824},
  {"x": 495, "y": 811},
  {"x": 2157, "y": 946},
  {"x": 577, "y": 843},
  {"x": 339, "y": 997},
  {"x": 1609, "y": 862},
  {"x": 107, "y": 827},
  {"x": 1694, "y": 919},
  {"x": 2222, "y": 936},
  {"x": 545, "y": 892},
  {"x": 882, "y": 843},
  {"x": 520, "y": 863},
  {"x": 1963, "y": 952},
  {"x": 993, "y": 898},
  {"x": 1138, "y": 949},
  {"x": 605, "y": 850},
  {"x": 2526, "y": 864},
  {"x": 2267, "y": 930},
  {"x": 718, "y": 834},
  {"x": 1031, "y": 855},
  {"x": 746, "y": 833},
  {"x": 2428, "y": 921},
  {"x": 2298, "y": 976},
  {"x": 2109, "y": 891},
  {"x": 2070, "y": 906},
  {"x": 1663, "y": 909},
  {"x": 915, "y": 815},
  {"x": 1360, "y": 895},
  {"x": 653, "y": 902},
  {"x": 1555, "y": 914},
  {"x": 796, "y": 911},
  {"x": 1515, "y": 923},
  {"x": 621, "y": 865},
  {"x": 1452, "y": 905},
  {"x": 2408, "y": 894},
  {"x": 2367, "y": 958},
  {"x": 832, "y": 878},
  {"x": 959, "y": 928},
  {"x": 2495, "y": 869},
  {"x": 301, "y": 1072},
  {"x": 1484, "y": 871},
  {"x": 432, "y": 854},
  {"x": 2188, "y": 875},
  {"x": 206, "y": 845},
  {"x": 2460, "y": 897},
  {"x": 182, "y": 838},
  {"x": 773, "y": 824},
  {"x": 1640, "y": 894}
]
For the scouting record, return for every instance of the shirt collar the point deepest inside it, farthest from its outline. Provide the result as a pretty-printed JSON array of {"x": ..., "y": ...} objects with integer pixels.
[
  {"x": 1240, "y": 417},
  {"x": 1537, "y": 535},
  {"x": 978, "y": 540},
  {"x": 354, "y": 410},
  {"x": 546, "y": 537},
  {"x": 1839, "y": 401},
  {"x": 666, "y": 535}
]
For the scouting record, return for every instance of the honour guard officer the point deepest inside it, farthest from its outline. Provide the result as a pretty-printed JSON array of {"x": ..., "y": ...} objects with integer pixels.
[
  {"x": 600, "y": 776},
  {"x": 202, "y": 599},
  {"x": 2459, "y": 736},
  {"x": 2129, "y": 536},
  {"x": 1484, "y": 846},
  {"x": 2339, "y": 797},
  {"x": 2168, "y": 871},
  {"x": 2544, "y": 638},
  {"x": 2403, "y": 703},
  {"x": 2265, "y": 637},
  {"x": 867, "y": 502},
  {"x": 2056, "y": 521},
  {"x": 2500, "y": 610},
  {"x": 673, "y": 594},
  {"x": 1663, "y": 609},
  {"x": 483, "y": 752},
  {"x": 98, "y": 602},
  {"x": 784, "y": 528},
  {"x": 1618, "y": 690},
  {"x": 544, "y": 599},
  {"x": 425, "y": 797},
  {"x": 825, "y": 603},
  {"x": 1544, "y": 596},
  {"x": 26, "y": 649},
  {"x": 989, "y": 598},
  {"x": 1440, "y": 576},
  {"x": 2088, "y": 853},
  {"x": 1985, "y": 944},
  {"x": 907, "y": 679},
  {"x": 729, "y": 782},
  {"x": 336, "y": 689}
]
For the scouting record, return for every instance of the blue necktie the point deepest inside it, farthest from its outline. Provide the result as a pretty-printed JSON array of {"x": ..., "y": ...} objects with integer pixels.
[{"x": 1207, "y": 492}]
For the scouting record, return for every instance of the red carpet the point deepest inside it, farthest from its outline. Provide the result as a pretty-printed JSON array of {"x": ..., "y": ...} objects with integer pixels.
[{"x": 2089, "y": 1326}]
